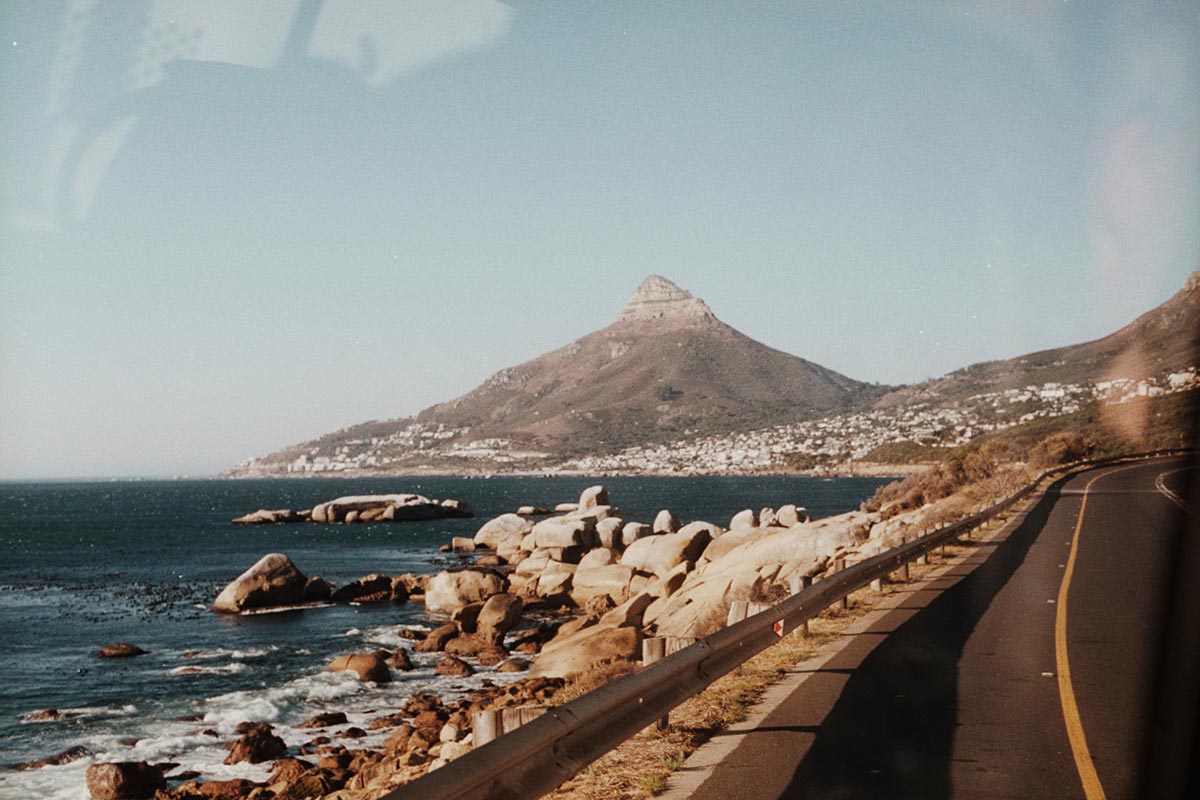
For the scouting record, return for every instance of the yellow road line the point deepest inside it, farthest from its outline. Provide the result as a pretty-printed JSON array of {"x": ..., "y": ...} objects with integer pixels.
[{"x": 1083, "y": 757}]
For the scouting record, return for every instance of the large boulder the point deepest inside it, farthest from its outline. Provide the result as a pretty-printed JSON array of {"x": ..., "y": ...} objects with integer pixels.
[
  {"x": 272, "y": 581},
  {"x": 744, "y": 520},
  {"x": 572, "y": 655},
  {"x": 727, "y": 542},
  {"x": 437, "y": 638},
  {"x": 596, "y": 514},
  {"x": 612, "y": 581},
  {"x": 555, "y": 588},
  {"x": 387, "y": 507},
  {"x": 452, "y": 665},
  {"x": 660, "y": 554},
  {"x": 337, "y": 509},
  {"x": 634, "y": 531},
  {"x": 257, "y": 745},
  {"x": 368, "y": 666},
  {"x": 561, "y": 532},
  {"x": 504, "y": 533},
  {"x": 600, "y": 557},
  {"x": 698, "y": 609},
  {"x": 592, "y": 497},
  {"x": 608, "y": 533},
  {"x": 699, "y": 525},
  {"x": 789, "y": 515},
  {"x": 448, "y": 591},
  {"x": 317, "y": 590},
  {"x": 124, "y": 780},
  {"x": 666, "y": 522},
  {"x": 498, "y": 616}
]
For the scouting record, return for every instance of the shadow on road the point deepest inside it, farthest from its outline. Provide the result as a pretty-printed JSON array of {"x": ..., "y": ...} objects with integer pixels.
[{"x": 891, "y": 732}]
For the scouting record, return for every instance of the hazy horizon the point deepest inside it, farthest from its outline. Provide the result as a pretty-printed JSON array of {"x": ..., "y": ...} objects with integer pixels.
[{"x": 228, "y": 228}]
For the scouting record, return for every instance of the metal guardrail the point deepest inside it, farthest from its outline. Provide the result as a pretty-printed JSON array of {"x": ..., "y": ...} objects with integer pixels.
[{"x": 537, "y": 757}]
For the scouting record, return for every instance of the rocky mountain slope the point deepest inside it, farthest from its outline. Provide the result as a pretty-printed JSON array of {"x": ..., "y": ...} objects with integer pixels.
[
  {"x": 665, "y": 367},
  {"x": 668, "y": 371},
  {"x": 1163, "y": 340}
]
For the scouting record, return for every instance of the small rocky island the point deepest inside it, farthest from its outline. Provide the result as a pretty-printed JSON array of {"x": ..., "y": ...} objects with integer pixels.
[{"x": 363, "y": 508}]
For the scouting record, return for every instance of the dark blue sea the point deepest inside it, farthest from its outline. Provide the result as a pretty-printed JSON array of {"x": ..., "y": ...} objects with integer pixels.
[{"x": 87, "y": 564}]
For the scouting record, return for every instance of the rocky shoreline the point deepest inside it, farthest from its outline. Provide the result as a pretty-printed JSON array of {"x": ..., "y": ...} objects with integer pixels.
[{"x": 565, "y": 600}]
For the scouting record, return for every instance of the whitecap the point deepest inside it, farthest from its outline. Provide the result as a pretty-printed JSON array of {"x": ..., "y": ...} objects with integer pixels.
[
  {"x": 221, "y": 669},
  {"x": 254, "y": 612}
]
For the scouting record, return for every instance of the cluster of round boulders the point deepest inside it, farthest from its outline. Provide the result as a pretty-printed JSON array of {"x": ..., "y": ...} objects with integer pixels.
[
  {"x": 631, "y": 579},
  {"x": 275, "y": 582}
]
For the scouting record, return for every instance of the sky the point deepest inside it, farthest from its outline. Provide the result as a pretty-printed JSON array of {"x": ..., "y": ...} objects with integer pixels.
[{"x": 227, "y": 227}]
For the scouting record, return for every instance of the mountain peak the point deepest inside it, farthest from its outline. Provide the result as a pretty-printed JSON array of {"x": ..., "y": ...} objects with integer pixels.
[{"x": 658, "y": 299}]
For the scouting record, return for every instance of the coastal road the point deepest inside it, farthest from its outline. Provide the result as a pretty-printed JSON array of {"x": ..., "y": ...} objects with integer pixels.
[{"x": 1027, "y": 670}]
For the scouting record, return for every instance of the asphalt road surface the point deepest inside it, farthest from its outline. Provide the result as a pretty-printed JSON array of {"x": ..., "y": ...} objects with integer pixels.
[{"x": 1026, "y": 672}]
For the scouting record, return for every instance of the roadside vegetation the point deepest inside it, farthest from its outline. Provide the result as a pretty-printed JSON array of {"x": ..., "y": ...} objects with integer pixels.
[{"x": 996, "y": 465}]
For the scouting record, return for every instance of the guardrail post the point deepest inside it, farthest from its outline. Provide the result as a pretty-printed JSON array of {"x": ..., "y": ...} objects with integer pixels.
[
  {"x": 514, "y": 717},
  {"x": 839, "y": 565},
  {"x": 486, "y": 725},
  {"x": 495, "y": 722},
  {"x": 653, "y": 651},
  {"x": 904, "y": 567},
  {"x": 798, "y": 584}
]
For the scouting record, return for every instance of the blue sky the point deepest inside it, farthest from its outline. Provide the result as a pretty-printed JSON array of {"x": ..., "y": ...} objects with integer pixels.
[{"x": 228, "y": 227}]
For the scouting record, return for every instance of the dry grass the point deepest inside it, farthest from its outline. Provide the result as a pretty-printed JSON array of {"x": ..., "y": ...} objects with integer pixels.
[{"x": 640, "y": 767}]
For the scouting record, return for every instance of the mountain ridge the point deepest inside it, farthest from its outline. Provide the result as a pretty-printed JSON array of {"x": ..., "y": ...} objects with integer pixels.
[{"x": 667, "y": 368}]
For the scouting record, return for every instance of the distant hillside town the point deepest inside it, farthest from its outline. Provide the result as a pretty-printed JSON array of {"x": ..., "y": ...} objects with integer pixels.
[{"x": 830, "y": 444}]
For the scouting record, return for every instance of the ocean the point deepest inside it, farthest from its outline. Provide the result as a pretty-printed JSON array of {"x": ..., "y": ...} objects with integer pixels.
[{"x": 83, "y": 565}]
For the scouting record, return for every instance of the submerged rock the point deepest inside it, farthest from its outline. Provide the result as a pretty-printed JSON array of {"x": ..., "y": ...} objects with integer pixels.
[
  {"x": 64, "y": 757},
  {"x": 368, "y": 666},
  {"x": 119, "y": 650}
]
